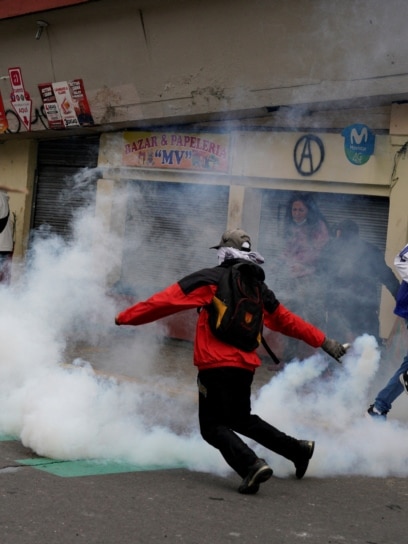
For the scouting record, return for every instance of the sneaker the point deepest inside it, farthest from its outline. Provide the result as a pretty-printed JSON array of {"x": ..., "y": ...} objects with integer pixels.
[
  {"x": 306, "y": 452},
  {"x": 404, "y": 380},
  {"x": 259, "y": 472},
  {"x": 374, "y": 412}
]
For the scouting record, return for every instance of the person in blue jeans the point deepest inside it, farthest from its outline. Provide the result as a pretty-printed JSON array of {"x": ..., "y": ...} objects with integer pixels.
[{"x": 399, "y": 380}]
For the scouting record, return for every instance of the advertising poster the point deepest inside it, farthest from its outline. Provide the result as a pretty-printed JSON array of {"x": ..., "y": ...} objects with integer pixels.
[
  {"x": 183, "y": 151},
  {"x": 50, "y": 106},
  {"x": 82, "y": 109},
  {"x": 65, "y": 103},
  {"x": 20, "y": 99},
  {"x": 3, "y": 118}
]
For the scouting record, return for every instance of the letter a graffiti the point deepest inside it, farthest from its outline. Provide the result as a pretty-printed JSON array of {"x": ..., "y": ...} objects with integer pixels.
[{"x": 308, "y": 154}]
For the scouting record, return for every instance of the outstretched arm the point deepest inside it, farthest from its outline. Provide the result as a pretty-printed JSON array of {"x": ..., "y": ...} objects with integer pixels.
[
  {"x": 286, "y": 322},
  {"x": 164, "y": 303},
  {"x": 290, "y": 324}
]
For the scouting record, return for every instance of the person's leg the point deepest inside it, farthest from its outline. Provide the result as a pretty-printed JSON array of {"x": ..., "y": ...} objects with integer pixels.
[
  {"x": 217, "y": 399},
  {"x": 297, "y": 451},
  {"x": 393, "y": 389},
  {"x": 243, "y": 422},
  {"x": 219, "y": 390},
  {"x": 404, "y": 380},
  {"x": 225, "y": 407},
  {"x": 269, "y": 436}
]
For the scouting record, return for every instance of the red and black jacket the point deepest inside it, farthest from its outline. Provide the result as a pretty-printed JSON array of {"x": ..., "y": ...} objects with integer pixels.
[{"x": 197, "y": 291}]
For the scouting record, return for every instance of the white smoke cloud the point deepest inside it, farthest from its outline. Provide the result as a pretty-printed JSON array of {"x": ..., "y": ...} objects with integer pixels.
[
  {"x": 309, "y": 402},
  {"x": 70, "y": 407},
  {"x": 64, "y": 408}
]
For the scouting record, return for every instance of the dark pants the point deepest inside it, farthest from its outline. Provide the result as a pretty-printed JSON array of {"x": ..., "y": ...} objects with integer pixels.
[
  {"x": 225, "y": 409},
  {"x": 5, "y": 266}
]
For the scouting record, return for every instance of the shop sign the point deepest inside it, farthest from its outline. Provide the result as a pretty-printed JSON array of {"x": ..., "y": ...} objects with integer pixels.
[
  {"x": 3, "y": 118},
  {"x": 20, "y": 99},
  {"x": 66, "y": 104},
  {"x": 359, "y": 141},
  {"x": 177, "y": 150}
]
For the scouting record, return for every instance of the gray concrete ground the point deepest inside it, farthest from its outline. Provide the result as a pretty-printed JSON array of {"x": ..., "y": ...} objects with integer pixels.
[
  {"x": 179, "y": 506},
  {"x": 176, "y": 506}
]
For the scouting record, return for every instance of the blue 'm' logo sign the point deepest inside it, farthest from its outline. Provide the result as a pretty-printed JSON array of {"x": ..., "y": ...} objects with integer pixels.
[{"x": 359, "y": 143}]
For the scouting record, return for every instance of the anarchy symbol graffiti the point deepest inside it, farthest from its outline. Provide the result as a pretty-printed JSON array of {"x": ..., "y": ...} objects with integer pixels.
[{"x": 308, "y": 154}]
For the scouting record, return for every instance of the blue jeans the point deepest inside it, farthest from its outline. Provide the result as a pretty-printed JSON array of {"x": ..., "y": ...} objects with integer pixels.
[{"x": 392, "y": 390}]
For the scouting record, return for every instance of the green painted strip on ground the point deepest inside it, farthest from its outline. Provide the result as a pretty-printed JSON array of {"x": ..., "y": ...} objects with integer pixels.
[
  {"x": 7, "y": 438},
  {"x": 72, "y": 469},
  {"x": 38, "y": 461}
]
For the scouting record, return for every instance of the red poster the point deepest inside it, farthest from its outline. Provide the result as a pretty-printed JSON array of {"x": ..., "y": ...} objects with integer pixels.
[
  {"x": 3, "y": 118},
  {"x": 82, "y": 109},
  {"x": 50, "y": 106}
]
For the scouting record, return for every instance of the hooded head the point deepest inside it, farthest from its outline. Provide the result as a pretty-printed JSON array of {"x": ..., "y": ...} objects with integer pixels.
[{"x": 235, "y": 238}]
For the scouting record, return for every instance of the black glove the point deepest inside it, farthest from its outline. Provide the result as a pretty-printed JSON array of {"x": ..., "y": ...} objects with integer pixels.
[{"x": 334, "y": 348}]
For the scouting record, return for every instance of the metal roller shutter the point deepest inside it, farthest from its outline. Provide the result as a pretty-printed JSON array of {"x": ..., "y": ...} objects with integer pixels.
[
  {"x": 66, "y": 181},
  {"x": 370, "y": 212},
  {"x": 169, "y": 230}
]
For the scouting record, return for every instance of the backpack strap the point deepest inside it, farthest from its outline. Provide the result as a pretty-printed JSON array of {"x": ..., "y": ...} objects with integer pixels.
[{"x": 270, "y": 352}]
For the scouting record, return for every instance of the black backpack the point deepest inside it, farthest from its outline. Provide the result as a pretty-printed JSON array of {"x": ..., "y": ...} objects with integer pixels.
[{"x": 236, "y": 311}]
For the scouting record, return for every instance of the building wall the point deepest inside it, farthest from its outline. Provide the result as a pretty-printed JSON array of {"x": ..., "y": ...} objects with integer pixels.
[
  {"x": 170, "y": 60},
  {"x": 264, "y": 160},
  {"x": 262, "y": 72}
]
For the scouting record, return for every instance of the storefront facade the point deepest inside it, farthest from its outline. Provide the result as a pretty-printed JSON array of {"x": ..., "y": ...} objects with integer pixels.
[
  {"x": 193, "y": 201},
  {"x": 201, "y": 138}
]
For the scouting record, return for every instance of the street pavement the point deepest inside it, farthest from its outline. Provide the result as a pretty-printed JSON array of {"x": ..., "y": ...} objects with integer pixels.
[
  {"x": 179, "y": 506},
  {"x": 44, "y": 501}
]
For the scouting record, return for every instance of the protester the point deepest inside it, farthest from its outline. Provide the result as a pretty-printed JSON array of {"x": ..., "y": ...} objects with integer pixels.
[
  {"x": 399, "y": 381},
  {"x": 225, "y": 372},
  {"x": 6, "y": 238},
  {"x": 351, "y": 272},
  {"x": 306, "y": 232},
  {"x": 6, "y": 250}
]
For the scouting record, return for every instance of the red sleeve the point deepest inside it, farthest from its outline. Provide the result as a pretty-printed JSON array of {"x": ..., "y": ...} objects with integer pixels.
[
  {"x": 286, "y": 322},
  {"x": 169, "y": 301}
]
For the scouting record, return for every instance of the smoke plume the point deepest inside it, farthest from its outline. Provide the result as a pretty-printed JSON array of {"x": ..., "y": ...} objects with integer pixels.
[{"x": 129, "y": 399}]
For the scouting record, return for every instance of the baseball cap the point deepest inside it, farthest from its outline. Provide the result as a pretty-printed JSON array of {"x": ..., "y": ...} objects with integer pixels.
[{"x": 236, "y": 238}]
